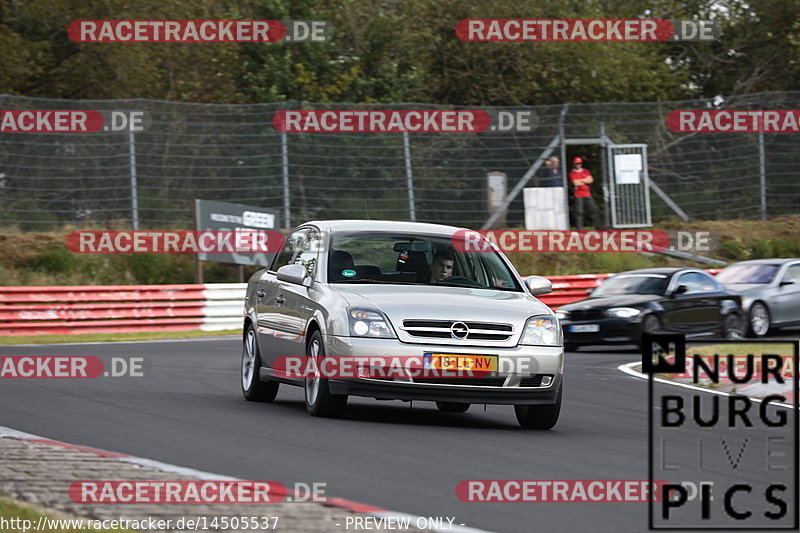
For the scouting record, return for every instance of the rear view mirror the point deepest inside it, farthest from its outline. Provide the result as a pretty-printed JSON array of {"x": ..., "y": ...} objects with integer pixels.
[
  {"x": 296, "y": 274},
  {"x": 538, "y": 285},
  {"x": 680, "y": 289},
  {"x": 412, "y": 246}
]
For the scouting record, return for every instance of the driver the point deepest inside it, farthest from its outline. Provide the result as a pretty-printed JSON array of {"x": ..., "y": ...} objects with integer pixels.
[{"x": 442, "y": 265}]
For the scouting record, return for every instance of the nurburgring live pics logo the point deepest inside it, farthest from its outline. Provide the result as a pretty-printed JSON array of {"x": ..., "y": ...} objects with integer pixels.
[{"x": 724, "y": 426}]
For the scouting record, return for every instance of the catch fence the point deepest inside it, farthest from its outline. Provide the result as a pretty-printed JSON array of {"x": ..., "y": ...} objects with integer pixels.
[{"x": 233, "y": 153}]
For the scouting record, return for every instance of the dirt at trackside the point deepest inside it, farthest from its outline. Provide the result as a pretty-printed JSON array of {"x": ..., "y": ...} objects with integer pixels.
[{"x": 43, "y": 259}]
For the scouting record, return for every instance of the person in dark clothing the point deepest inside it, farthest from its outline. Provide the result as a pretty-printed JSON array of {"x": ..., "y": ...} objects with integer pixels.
[{"x": 552, "y": 173}]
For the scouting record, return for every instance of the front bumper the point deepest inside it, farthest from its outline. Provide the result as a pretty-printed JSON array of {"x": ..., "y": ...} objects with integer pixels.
[
  {"x": 515, "y": 364},
  {"x": 611, "y": 331}
]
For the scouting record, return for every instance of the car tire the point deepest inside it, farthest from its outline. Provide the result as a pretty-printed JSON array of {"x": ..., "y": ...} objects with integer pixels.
[
  {"x": 253, "y": 389},
  {"x": 319, "y": 400},
  {"x": 652, "y": 324},
  {"x": 759, "y": 321},
  {"x": 732, "y": 327},
  {"x": 452, "y": 407},
  {"x": 539, "y": 416}
]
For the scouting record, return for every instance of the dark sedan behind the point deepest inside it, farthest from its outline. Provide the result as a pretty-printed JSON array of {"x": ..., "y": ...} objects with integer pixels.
[{"x": 677, "y": 300}]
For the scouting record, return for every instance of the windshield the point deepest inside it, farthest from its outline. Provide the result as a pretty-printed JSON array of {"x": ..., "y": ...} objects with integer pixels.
[
  {"x": 414, "y": 260},
  {"x": 633, "y": 284},
  {"x": 736, "y": 274}
]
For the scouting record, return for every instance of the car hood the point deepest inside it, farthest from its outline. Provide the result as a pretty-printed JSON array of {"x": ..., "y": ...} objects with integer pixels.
[
  {"x": 401, "y": 302},
  {"x": 617, "y": 300}
]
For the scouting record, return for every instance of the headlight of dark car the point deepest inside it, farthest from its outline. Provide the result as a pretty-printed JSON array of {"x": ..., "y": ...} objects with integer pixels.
[
  {"x": 622, "y": 312},
  {"x": 562, "y": 314}
]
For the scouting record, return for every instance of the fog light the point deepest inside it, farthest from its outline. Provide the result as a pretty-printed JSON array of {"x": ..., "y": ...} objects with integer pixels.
[{"x": 546, "y": 381}]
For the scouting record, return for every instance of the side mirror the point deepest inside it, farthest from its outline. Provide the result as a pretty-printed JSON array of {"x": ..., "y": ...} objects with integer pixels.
[
  {"x": 680, "y": 289},
  {"x": 538, "y": 285},
  {"x": 296, "y": 274},
  {"x": 787, "y": 282}
]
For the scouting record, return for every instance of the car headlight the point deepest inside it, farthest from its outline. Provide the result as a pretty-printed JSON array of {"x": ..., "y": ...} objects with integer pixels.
[
  {"x": 622, "y": 312},
  {"x": 369, "y": 323},
  {"x": 561, "y": 315},
  {"x": 542, "y": 331}
]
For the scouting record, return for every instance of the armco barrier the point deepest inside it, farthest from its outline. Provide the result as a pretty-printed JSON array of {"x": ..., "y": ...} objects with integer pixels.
[
  {"x": 207, "y": 307},
  {"x": 120, "y": 308}
]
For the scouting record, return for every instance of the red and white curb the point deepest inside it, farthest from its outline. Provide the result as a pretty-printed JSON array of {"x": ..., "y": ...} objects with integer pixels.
[{"x": 341, "y": 503}]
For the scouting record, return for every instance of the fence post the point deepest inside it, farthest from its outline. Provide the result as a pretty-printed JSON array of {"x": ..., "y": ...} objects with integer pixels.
[
  {"x": 132, "y": 164},
  {"x": 562, "y": 118},
  {"x": 762, "y": 175},
  {"x": 762, "y": 170},
  {"x": 412, "y": 212},
  {"x": 285, "y": 166}
]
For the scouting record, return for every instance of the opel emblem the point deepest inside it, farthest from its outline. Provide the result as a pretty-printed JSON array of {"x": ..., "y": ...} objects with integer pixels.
[{"x": 459, "y": 330}]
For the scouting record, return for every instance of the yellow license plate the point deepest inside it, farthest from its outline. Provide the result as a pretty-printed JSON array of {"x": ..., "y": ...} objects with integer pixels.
[{"x": 450, "y": 361}]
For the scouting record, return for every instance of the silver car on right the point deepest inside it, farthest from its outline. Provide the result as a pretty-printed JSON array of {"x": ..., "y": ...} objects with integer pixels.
[{"x": 770, "y": 290}]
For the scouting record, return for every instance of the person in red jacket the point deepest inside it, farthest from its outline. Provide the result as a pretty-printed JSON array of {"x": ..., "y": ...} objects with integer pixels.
[{"x": 580, "y": 179}]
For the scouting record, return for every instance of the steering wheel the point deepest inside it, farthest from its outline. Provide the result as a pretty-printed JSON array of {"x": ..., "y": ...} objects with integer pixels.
[{"x": 457, "y": 279}]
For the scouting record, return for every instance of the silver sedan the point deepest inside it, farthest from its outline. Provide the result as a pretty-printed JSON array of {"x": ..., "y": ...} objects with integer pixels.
[
  {"x": 770, "y": 290},
  {"x": 361, "y": 289}
]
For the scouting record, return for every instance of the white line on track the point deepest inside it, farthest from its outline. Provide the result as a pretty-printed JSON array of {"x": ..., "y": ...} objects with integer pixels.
[{"x": 628, "y": 369}]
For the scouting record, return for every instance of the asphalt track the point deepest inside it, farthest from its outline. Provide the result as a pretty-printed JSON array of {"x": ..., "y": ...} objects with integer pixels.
[{"x": 188, "y": 410}]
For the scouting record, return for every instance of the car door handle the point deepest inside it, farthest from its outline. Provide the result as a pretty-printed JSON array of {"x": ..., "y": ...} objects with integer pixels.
[
  {"x": 261, "y": 294},
  {"x": 279, "y": 299}
]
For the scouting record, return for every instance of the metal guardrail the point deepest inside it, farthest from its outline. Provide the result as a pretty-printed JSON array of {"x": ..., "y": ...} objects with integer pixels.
[{"x": 120, "y": 308}]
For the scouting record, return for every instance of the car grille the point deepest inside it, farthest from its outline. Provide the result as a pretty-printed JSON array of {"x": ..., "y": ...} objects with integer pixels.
[
  {"x": 585, "y": 314},
  {"x": 440, "y": 329},
  {"x": 472, "y": 382}
]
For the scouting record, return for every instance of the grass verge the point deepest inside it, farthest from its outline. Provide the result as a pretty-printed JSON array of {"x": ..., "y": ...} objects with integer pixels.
[
  {"x": 27, "y": 518},
  {"x": 111, "y": 337}
]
